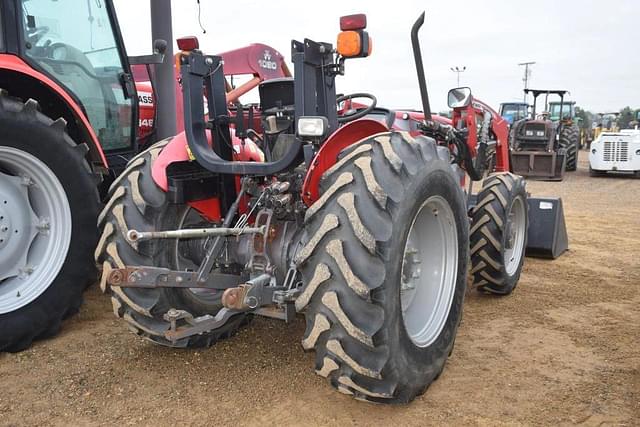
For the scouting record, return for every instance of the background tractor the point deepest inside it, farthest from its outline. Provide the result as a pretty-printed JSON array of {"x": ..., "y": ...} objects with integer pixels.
[
  {"x": 514, "y": 111},
  {"x": 327, "y": 211},
  {"x": 68, "y": 102},
  {"x": 544, "y": 147},
  {"x": 606, "y": 122}
]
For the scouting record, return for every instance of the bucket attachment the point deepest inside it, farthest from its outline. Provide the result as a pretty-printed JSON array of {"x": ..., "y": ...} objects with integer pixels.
[
  {"x": 547, "y": 236},
  {"x": 539, "y": 164}
]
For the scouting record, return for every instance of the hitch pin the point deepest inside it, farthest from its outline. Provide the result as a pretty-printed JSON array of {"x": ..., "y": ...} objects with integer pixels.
[{"x": 192, "y": 233}]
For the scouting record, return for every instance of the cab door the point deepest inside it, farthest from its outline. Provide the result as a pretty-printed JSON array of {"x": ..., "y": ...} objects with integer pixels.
[{"x": 79, "y": 45}]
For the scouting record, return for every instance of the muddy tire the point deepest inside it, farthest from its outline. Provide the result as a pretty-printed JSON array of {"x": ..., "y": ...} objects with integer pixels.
[
  {"x": 358, "y": 260},
  {"x": 499, "y": 233},
  {"x": 569, "y": 140},
  {"x": 136, "y": 202},
  {"x": 48, "y": 205}
]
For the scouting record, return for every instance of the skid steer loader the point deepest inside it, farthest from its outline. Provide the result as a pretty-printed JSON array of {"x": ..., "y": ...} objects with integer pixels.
[
  {"x": 365, "y": 229},
  {"x": 541, "y": 147}
]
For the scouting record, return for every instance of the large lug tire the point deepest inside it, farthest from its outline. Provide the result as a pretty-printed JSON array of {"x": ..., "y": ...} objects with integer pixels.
[
  {"x": 499, "y": 233},
  {"x": 388, "y": 204},
  {"x": 569, "y": 140},
  {"x": 48, "y": 206},
  {"x": 136, "y": 202}
]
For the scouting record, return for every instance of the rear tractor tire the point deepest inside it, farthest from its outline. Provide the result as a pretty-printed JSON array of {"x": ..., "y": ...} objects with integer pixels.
[
  {"x": 569, "y": 140},
  {"x": 384, "y": 265},
  {"x": 499, "y": 233},
  {"x": 136, "y": 202},
  {"x": 48, "y": 205}
]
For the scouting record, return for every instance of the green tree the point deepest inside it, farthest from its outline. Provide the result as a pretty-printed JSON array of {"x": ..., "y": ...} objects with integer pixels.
[
  {"x": 586, "y": 117},
  {"x": 626, "y": 116}
]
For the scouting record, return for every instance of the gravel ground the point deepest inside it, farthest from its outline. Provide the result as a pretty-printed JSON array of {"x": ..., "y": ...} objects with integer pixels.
[{"x": 563, "y": 349}]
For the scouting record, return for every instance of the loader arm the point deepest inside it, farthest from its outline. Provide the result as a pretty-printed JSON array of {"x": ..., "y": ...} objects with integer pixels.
[{"x": 471, "y": 117}]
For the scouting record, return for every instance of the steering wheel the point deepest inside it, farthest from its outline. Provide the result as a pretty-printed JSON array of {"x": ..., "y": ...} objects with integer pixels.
[{"x": 356, "y": 113}]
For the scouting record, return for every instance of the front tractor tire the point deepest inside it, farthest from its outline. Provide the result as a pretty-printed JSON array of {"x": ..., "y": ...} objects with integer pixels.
[
  {"x": 384, "y": 265},
  {"x": 136, "y": 202},
  {"x": 570, "y": 140},
  {"x": 499, "y": 233},
  {"x": 48, "y": 206}
]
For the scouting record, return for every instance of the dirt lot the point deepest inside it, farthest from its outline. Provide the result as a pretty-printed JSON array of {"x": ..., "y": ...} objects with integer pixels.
[{"x": 564, "y": 348}]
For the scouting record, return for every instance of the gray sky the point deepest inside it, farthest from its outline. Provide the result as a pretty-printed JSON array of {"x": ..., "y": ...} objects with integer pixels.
[{"x": 590, "y": 47}]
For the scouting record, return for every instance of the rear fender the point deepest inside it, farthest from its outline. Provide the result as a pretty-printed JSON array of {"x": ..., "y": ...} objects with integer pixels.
[
  {"x": 24, "y": 82},
  {"x": 327, "y": 155}
]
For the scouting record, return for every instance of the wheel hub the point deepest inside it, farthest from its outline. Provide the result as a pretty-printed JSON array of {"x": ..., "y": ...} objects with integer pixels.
[
  {"x": 410, "y": 269},
  {"x": 35, "y": 228},
  {"x": 429, "y": 271},
  {"x": 515, "y": 230},
  {"x": 510, "y": 232},
  {"x": 5, "y": 227},
  {"x": 17, "y": 225}
]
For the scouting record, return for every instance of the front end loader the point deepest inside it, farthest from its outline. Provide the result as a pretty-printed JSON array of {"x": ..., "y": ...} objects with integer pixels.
[{"x": 364, "y": 229}]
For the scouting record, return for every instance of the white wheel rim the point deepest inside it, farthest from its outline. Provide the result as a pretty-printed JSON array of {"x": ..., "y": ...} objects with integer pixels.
[
  {"x": 35, "y": 228},
  {"x": 515, "y": 230},
  {"x": 429, "y": 271}
]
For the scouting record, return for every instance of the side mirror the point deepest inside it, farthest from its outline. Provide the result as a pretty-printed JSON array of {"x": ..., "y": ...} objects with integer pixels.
[
  {"x": 159, "y": 46},
  {"x": 157, "y": 57},
  {"x": 459, "y": 97}
]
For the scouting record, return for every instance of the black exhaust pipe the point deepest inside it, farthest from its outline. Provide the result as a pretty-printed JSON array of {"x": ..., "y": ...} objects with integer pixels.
[{"x": 417, "y": 56}]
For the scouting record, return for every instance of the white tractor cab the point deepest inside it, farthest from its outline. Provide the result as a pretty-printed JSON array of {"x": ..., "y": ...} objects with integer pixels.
[{"x": 616, "y": 152}]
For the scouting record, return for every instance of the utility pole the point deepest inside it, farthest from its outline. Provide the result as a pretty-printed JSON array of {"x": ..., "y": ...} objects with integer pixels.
[
  {"x": 527, "y": 74},
  {"x": 164, "y": 74},
  {"x": 458, "y": 70}
]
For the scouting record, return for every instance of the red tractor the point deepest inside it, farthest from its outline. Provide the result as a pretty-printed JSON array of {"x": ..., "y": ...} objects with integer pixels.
[
  {"x": 365, "y": 229},
  {"x": 68, "y": 113}
]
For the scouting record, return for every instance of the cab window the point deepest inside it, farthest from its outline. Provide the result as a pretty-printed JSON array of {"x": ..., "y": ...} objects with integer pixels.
[{"x": 74, "y": 42}]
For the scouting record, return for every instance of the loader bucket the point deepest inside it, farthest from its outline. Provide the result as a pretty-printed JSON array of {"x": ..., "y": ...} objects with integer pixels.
[
  {"x": 547, "y": 235},
  {"x": 549, "y": 166}
]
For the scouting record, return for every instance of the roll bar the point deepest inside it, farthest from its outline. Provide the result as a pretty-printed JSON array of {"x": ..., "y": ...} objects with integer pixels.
[{"x": 198, "y": 71}]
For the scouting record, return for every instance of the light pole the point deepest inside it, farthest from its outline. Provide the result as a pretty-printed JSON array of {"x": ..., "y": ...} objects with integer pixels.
[
  {"x": 458, "y": 70},
  {"x": 527, "y": 74}
]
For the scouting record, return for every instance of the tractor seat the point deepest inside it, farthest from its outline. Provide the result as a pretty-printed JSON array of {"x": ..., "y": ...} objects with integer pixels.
[{"x": 276, "y": 94}]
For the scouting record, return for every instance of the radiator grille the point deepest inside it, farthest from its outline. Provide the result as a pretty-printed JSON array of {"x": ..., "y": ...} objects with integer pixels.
[{"x": 616, "y": 151}]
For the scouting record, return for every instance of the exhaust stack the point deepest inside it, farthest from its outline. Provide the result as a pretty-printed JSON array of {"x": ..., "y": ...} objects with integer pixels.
[{"x": 417, "y": 56}]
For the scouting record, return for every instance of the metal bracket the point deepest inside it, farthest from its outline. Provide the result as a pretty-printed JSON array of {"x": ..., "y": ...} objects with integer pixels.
[
  {"x": 157, "y": 277},
  {"x": 287, "y": 312},
  {"x": 260, "y": 260},
  {"x": 197, "y": 325}
]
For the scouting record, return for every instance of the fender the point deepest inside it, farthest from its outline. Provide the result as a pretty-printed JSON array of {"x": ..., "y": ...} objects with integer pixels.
[
  {"x": 15, "y": 64},
  {"x": 327, "y": 155},
  {"x": 177, "y": 151}
]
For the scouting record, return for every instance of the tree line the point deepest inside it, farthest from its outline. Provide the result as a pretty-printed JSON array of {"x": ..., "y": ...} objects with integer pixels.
[{"x": 627, "y": 117}]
